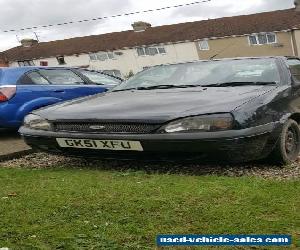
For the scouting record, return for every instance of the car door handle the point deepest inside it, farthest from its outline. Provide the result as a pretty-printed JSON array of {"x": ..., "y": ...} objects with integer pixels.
[{"x": 59, "y": 91}]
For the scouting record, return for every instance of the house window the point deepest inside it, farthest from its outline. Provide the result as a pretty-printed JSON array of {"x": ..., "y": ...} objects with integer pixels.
[
  {"x": 203, "y": 45},
  {"x": 61, "y": 60},
  {"x": 252, "y": 40},
  {"x": 102, "y": 56},
  {"x": 26, "y": 63},
  {"x": 110, "y": 55},
  {"x": 150, "y": 51},
  {"x": 93, "y": 57},
  {"x": 271, "y": 38},
  {"x": 161, "y": 50},
  {"x": 262, "y": 38},
  {"x": 140, "y": 51},
  {"x": 43, "y": 63}
]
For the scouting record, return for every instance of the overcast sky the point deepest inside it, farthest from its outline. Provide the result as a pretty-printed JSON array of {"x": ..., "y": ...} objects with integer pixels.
[{"x": 17, "y": 14}]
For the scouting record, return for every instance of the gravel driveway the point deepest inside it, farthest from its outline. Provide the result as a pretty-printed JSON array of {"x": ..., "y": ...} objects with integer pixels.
[{"x": 42, "y": 160}]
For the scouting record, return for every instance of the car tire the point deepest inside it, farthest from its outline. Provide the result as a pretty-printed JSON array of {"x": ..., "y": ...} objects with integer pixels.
[{"x": 287, "y": 148}]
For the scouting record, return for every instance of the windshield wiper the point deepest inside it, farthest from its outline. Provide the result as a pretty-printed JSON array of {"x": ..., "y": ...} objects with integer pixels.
[
  {"x": 120, "y": 90},
  {"x": 165, "y": 86},
  {"x": 224, "y": 84},
  {"x": 168, "y": 86},
  {"x": 230, "y": 84}
]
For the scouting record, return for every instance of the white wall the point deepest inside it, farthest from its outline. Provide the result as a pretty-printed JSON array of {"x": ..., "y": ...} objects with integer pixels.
[
  {"x": 296, "y": 43},
  {"x": 130, "y": 60}
]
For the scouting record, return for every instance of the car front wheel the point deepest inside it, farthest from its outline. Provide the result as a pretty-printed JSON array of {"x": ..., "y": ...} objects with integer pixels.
[{"x": 288, "y": 145}]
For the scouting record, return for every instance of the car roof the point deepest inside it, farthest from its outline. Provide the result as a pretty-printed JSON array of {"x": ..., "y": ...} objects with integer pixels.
[
  {"x": 230, "y": 59},
  {"x": 10, "y": 75},
  {"x": 28, "y": 68}
]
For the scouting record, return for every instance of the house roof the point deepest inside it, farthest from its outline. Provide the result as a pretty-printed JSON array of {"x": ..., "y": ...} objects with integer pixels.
[
  {"x": 2, "y": 57},
  {"x": 191, "y": 31}
]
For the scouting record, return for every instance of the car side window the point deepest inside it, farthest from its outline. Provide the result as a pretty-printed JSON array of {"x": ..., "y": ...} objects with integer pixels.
[
  {"x": 36, "y": 78},
  {"x": 294, "y": 65},
  {"x": 61, "y": 76},
  {"x": 98, "y": 78}
]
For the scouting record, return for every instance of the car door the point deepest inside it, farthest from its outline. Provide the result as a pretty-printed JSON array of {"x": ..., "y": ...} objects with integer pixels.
[
  {"x": 294, "y": 67},
  {"x": 66, "y": 84},
  {"x": 32, "y": 86},
  {"x": 35, "y": 85},
  {"x": 33, "y": 91},
  {"x": 45, "y": 86}
]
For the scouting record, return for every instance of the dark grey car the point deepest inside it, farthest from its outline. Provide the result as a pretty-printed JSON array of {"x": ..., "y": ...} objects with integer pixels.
[{"x": 235, "y": 109}]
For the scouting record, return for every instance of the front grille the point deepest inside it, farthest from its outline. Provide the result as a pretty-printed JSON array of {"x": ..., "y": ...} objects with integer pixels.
[{"x": 130, "y": 128}]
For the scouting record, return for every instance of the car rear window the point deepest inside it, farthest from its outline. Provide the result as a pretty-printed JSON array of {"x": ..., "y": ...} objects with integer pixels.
[
  {"x": 37, "y": 78},
  {"x": 99, "y": 78},
  {"x": 61, "y": 76}
]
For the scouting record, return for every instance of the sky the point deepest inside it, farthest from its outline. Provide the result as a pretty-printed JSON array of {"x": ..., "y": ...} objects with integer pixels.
[{"x": 18, "y": 14}]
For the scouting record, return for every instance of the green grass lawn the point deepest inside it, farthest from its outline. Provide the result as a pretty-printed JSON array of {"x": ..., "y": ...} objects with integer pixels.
[{"x": 96, "y": 209}]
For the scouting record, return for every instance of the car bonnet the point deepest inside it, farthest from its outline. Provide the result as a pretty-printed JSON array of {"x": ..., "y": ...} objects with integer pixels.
[{"x": 154, "y": 105}]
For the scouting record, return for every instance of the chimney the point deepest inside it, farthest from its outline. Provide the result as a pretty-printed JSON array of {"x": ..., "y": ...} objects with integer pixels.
[
  {"x": 140, "y": 26},
  {"x": 27, "y": 43},
  {"x": 297, "y": 5}
]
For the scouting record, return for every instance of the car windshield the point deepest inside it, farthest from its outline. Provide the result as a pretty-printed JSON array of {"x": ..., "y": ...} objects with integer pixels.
[{"x": 223, "y": 73}]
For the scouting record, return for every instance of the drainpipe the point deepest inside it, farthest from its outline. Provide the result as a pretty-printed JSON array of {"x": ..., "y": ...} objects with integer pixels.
[
  {"x": 293, "y": 31},
  {"x": 294, "y": 43}
]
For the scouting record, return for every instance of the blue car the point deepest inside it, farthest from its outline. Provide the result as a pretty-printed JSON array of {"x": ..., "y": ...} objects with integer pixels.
[{"x": 25, "y": 89}]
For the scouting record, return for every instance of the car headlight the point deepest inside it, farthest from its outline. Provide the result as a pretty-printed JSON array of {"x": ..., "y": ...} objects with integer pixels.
[
  {"x": 205, "y": 123},
  {"x": 36, "y": 122}
]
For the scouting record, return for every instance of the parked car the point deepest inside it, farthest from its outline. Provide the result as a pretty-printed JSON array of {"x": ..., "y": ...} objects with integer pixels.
[
  {"x": 234, "y": 109},
  {"x": 25, "y": 89}
]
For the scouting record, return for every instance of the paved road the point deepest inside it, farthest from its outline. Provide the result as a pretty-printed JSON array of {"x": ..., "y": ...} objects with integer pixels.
[{"x": 11, "y": 144}]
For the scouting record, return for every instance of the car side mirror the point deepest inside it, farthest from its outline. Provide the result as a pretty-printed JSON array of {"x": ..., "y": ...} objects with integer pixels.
[
  {"x": 295, "y": 81},
  {"x": 295, "y": 76}
]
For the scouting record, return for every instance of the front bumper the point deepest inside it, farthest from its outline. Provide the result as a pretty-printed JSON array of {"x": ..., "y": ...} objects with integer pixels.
[
  {"x": 6, "y": 118},
  {"x": 234, "y": 145}
]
